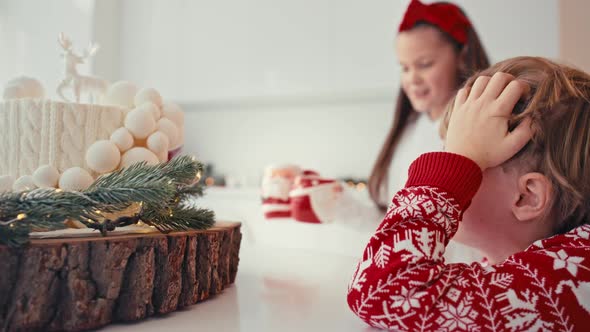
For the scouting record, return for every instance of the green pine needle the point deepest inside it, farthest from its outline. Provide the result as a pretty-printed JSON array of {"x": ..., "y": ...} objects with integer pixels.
[{"x": 179, "y": 218}]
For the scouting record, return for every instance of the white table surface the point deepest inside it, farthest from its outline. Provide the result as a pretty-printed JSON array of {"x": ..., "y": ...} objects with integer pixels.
[
  {"x": 292, "y": 276},
  {"x": 276, "y": 289}
]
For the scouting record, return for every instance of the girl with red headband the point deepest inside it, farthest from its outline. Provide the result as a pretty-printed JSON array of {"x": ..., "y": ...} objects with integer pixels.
[{"x": 438, "y": 49}]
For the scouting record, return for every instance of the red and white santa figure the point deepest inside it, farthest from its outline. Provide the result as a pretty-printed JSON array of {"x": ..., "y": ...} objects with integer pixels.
[
  {"x": 313, "y": 198},
  {"x": 277, "y": 182}
]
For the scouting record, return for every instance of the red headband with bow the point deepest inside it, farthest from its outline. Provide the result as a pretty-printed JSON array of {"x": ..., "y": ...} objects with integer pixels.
[{"x": 445, "y": 16}]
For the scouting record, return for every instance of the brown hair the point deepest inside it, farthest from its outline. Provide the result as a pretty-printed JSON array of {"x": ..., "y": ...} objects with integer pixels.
[
  {"x": 558, "y": 105},
  {"x": 475, "y": 59}
]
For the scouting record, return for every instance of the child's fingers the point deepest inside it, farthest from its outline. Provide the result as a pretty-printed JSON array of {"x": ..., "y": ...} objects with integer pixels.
[
  {"x": 518, "y": 138},
  {"x": 478, "y": 87},
  {"x": 461, "y": 96},
  {"x": 496, "y": 85},
  {"x": 510, "y": 96}
]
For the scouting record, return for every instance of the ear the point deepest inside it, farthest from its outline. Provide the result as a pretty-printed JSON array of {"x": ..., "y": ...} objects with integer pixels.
[{"x": 534, "y": 197}]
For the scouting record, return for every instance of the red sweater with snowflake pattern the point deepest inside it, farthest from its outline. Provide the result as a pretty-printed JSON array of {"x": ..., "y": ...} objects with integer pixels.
[{"x": 403, "y": 283}]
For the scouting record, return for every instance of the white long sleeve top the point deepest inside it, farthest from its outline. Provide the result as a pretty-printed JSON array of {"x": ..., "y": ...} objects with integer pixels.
[{"x": 420, "y": 136}]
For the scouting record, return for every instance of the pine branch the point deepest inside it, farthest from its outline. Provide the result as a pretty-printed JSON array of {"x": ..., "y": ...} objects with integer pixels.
[
  {"x": 161, "y": 188},
  {"x": 45, "y": 208},
  {"x": 14, "y": 236},
  {"x": 183, "y": 169},
  {"x": 118, "y": 198},
  {"x": 196, "y": 190},
  {"x": 178, "y": 218}
]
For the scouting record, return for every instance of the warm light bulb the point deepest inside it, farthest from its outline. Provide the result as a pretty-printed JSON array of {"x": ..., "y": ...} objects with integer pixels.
[{"x": 210, "y": 181}]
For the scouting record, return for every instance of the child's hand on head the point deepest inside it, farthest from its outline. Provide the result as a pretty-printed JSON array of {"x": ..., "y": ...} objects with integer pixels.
[{"x": 478, "y": 128}]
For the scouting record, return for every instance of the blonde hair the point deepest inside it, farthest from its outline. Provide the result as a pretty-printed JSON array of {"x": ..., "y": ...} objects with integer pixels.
[{"x": 558, "y": 105}]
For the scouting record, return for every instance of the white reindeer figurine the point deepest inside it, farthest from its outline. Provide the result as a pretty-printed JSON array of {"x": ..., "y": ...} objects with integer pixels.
[{"x": 93, "y": 86}]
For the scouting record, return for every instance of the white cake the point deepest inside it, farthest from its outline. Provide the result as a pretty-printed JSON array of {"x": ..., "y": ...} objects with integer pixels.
[
  {"x": 36, "y": 132},
  {"x": 67, "y": 145}
]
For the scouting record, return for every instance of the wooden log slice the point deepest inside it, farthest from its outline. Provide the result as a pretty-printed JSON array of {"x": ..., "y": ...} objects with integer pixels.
[
  {"x": 207, "y": 264},
  {"x": 190, "y": 284},
  {"x": 85, "y": 283}
]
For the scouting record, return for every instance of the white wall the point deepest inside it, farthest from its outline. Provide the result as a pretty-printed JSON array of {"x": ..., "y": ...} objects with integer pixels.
[
  {"x": 28, "y": 37},
  {"x": 203, "y": 50},
  {"x": 265, "y": 81},
  {"x": 573, "y": 36},
  {"x": 310, "y": 82}
]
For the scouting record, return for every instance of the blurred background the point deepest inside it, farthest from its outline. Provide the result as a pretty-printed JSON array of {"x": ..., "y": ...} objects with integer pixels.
[{"x": 267, "y": 81}]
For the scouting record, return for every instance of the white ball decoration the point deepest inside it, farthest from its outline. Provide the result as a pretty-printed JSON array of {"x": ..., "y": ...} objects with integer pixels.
[
  {"x": 158, "y": 142},
  {"x": 75, "y": 179},
  {"x": 138, "y": 154},
  {"x": 140, "y": 124},
  {"x": 103, "y": 156},
  {"x": 46, "y": 176},
  {"x": 169, "y": 129},
  {"x": 23, "y": 183},
  {"x": 23, "y": 87},
  {"x": 6, "y": 182},
  {"x": 173, "y": 112},
  {"x": 148, "y": 94},
  {"x": 122, "y": 138},
  {"x": 152, "y": 109},
  {"x": 121, "y": 93}
]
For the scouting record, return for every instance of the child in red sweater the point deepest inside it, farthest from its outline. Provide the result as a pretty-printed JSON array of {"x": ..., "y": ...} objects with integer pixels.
[{"x": 518, "y": 155}]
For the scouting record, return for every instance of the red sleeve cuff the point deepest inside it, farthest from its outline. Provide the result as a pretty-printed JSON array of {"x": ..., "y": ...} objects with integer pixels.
[{"x": 457, "y": 175}]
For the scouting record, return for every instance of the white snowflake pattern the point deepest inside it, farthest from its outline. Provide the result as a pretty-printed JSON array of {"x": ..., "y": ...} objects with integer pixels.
[
  {"x": 407, "y": 299},
  {"x": 563, "y": 260},
  {"x": 460, "y": 317},
  {"x": 406, "y": 206}
]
